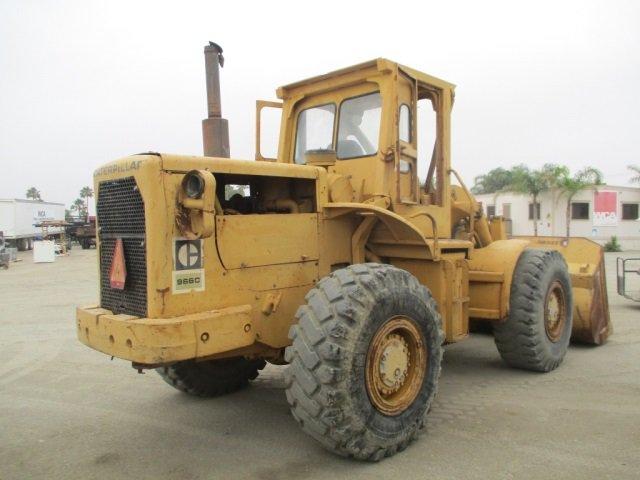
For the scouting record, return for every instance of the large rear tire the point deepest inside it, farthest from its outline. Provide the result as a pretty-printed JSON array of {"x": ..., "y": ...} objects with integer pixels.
[
  {"x": 365, "y": 360},
  {"x": 211, "y": 378},
  {"x": 537, "y": 332}
]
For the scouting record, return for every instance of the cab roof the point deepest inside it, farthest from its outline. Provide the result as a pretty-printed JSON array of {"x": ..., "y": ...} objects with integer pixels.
[{"x": 383, "y": 65}]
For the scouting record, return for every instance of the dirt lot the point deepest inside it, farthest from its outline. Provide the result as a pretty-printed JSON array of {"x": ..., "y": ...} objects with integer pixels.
[{"x": 69, "y": 412}]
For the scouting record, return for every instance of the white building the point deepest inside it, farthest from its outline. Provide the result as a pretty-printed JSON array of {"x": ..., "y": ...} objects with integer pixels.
[{"x": 597, "y": 214}]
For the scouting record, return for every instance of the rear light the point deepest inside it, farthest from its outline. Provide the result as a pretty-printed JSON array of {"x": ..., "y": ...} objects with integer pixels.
[
  {"x": 118, "y": 270},
  {"x": 193, "y": 184}
]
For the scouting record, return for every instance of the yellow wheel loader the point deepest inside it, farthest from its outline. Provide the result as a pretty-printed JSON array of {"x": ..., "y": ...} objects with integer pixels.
[{"x": 336, "y": 258}]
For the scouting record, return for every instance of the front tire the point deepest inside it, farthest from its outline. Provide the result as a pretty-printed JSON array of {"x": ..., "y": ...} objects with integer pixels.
[
  {"x": 365, "y": 360},
  {"x": 211, "y": 378},
  {"x": 537, "y": 332}
]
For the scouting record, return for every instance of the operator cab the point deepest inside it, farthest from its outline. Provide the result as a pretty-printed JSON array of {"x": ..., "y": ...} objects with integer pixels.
[{"x": 382, "y": 126}]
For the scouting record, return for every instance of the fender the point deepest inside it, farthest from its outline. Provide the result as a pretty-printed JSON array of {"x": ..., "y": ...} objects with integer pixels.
[
  {"x": 403, "y": 232},
  {"x": 490, "y": 273}
]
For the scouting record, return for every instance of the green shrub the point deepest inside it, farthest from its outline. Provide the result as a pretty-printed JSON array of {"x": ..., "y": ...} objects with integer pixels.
[{"x": 612, "y": 245}]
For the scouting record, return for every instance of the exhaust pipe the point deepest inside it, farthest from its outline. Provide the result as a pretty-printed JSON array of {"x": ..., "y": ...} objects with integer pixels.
[{"x": 215, "y": 129}]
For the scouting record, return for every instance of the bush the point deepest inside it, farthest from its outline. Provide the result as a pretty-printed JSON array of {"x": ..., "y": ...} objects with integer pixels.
[{"x": 612, "y": 245}]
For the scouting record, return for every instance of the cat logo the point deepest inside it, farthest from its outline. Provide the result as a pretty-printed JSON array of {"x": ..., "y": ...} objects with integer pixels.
[{"x": 188, "y": 254}]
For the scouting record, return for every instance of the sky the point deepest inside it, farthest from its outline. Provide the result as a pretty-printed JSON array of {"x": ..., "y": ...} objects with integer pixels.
[{"x": 83, "y": 83}]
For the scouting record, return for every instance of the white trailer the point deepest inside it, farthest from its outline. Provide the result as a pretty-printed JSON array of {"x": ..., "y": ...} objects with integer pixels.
[{"x": 18, "y": 218}]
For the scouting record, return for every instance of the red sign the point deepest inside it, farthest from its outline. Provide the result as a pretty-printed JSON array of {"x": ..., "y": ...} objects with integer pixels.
[
  {"x": 118, "y": 271},
  {"x": 605, "y": 208}
]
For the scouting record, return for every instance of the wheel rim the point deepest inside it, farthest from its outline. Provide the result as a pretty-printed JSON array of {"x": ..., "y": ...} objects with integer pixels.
[
  {"x": 555, "y": 311},
  {"x": 396, "y": 365}
]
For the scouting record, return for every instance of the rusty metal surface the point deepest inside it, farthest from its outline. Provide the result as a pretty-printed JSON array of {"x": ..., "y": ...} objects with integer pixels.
[
  {"x": 396, "y": 365},
  {"x": 555, "y": 311},
  {"x": 600, "y": 321},
  {"x": 215, "y": 129}
]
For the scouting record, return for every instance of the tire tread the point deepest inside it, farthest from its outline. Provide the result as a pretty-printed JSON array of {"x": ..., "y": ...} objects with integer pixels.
[
  {"x": 520, "y": 340},
  {"x": 323, "y": 337}
]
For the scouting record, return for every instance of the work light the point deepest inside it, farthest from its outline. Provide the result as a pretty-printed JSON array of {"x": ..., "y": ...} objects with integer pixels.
[{"x": 193, "y": 184}]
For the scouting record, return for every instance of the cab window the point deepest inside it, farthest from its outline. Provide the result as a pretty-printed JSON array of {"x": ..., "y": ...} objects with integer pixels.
[
  {"x": 426, "y": 135},
  {"x": 404, "y": 124},
  {"x": 359, "y": 126},
  {"x": 315, "y": 130}
]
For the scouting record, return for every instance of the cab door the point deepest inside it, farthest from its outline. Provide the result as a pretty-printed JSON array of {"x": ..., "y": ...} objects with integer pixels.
[{"x": 407, "y": 157}]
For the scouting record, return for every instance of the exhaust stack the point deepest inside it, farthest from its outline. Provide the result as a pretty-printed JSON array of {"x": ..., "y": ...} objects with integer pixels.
[{"x": 215, "y": 129}]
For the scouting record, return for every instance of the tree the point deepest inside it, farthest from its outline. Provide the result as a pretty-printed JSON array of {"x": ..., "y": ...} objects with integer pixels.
[
  {"x": 86, "y": 193},
  {"x": 230, "y": 190},
  {"x": 636, "y": 170},
  {"x": 533, "y": 182},
  {"x": 613, "y": 245},
  {"x": 78, "y": 205},
  {"x": 493, "y": 181},
  {"x": 34, "y": 194},
  {"x": 588, "y": 177}
]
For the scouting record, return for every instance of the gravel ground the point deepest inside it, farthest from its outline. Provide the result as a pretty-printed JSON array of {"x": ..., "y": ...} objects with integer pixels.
[{"x": 67, "y": 411}]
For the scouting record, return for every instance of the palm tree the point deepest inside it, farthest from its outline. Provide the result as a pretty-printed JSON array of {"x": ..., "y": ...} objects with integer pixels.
[
  {"x": 34, "y": 194},
  {"x": 86, "y": 193},
  {"x": 493, "y": 181},
  {"x": 588, "y": 177},
  {"x": 636, "y": 170},
  {"x": 78, "y": 206},
  {"x": 534, "y": 182}
]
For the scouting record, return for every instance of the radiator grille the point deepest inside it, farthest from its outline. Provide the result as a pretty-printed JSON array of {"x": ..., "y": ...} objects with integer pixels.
[{"x": 120, "y": 212}]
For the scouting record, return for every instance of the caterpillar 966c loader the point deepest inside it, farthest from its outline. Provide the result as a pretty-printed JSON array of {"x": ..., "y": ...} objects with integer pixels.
[{"x": 333, "y": 258}]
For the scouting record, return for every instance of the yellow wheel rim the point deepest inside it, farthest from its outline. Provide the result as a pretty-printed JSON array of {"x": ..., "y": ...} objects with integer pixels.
[
  {"x": 555, "y": 311},
  {"x": 396, "y": 365}
]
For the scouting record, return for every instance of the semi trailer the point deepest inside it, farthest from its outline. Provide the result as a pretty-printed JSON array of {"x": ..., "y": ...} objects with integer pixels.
[{"x": 19, "y": 217}]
